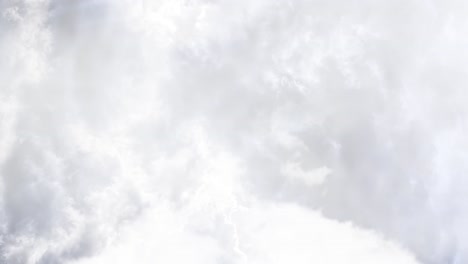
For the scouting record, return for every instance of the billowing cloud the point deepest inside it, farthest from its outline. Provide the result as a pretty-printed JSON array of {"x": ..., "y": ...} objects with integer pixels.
[{"x": 233, "y": 131}]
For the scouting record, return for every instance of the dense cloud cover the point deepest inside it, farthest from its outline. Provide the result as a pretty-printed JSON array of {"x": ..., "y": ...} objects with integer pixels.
[{"x": 233, "y": 131}]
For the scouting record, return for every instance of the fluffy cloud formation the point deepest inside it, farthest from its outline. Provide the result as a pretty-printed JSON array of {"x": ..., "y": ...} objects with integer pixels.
[{"x": 216, "y": 131}]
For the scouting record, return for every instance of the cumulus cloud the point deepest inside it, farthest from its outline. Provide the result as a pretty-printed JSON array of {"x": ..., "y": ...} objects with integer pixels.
[{"x": 219, "y": 131}]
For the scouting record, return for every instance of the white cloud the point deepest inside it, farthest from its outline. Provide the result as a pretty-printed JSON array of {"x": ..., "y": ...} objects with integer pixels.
[
  {"x": 131, "y": 130},
  {"x": 310, "y": 177},
  {"x": 280, "y": 233}
]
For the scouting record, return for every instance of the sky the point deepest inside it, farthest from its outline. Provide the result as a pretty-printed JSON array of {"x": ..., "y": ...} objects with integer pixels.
[{"x": 233, "y": 131}]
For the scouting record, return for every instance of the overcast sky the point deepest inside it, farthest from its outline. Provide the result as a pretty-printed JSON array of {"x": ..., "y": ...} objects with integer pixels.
[{"x": 233, "y": 131}]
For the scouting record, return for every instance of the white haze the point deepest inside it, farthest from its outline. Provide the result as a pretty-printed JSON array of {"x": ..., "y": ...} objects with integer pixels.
[{"x": 233, "y": 131}]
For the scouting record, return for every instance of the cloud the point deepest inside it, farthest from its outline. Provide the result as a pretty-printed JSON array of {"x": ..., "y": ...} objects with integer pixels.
[
  {"x": 262, "y": 233},
  {"x": 131, "y": 130}
]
